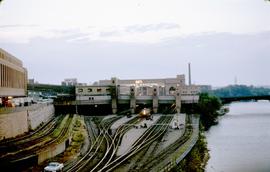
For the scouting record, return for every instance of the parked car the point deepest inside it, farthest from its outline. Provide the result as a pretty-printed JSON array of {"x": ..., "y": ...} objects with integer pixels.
[{"x": 54, "y": 167}]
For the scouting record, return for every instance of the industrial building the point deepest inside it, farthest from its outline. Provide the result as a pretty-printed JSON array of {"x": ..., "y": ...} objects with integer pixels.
[{"x": 155, "y": 92}]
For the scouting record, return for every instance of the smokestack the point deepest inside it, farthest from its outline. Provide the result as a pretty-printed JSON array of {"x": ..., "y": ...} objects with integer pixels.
[{"x": 189, "y": 74}]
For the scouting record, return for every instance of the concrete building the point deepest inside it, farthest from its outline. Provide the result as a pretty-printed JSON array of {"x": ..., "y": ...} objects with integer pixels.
[
  {"x": 18, "y": 115},
  {"x": 13, "y": 76},
  {"x": 70, "y": 82},
  {"x": 138, "y": 91}
]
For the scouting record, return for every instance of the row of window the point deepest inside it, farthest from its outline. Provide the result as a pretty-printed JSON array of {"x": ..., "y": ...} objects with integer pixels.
[
  {"x": 98, "y": 90},
  {"x": 144, "y": 92},
  {"x": 11, "y": 78},
  {"x": 192, "y": 92}
]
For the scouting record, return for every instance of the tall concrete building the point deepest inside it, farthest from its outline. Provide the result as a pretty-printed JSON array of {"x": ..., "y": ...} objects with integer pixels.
[
  {"x": 18, "y": 116},
  {"x": 13, "y": 76}
]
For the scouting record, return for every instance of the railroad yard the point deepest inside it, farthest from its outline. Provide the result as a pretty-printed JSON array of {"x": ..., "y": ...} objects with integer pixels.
[{"x": 100, "y": 143}]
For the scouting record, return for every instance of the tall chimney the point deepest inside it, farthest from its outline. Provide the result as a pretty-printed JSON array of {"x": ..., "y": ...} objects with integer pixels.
[{"x": 189, "y": 74}]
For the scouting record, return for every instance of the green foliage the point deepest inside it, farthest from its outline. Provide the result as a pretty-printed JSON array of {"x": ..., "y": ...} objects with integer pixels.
[
  {"x": 78, "y": 137},
  {"x": 241, "y": 91},
  {"x": 208, "y": 107},
  {"x": 77, "y": 123}
]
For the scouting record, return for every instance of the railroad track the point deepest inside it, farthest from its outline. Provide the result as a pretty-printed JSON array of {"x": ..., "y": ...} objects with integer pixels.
[
  {"x": 103, "y": 138},
  {"x": 150, "y": 163},
  {"x": 91, "y": 129},
  {"x": 114, "y": 143},
  {"x": 149, "y": 136},
  {"x": 28, "y": 140},
  {"x": 33, "y": 147},
  {"x": 110, "y": 143}
]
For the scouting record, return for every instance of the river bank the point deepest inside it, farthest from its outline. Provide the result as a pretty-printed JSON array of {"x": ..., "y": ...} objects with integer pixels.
[{"x": 197, "y": 159}]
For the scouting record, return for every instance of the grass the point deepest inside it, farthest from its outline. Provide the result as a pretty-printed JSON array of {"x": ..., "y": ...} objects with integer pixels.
[
  {"x": 78, "y": 133},
  {"x": 57, "y": 131}
]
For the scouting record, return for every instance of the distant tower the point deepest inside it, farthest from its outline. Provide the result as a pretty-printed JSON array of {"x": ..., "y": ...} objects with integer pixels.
[{"x": 189, "y": 74}]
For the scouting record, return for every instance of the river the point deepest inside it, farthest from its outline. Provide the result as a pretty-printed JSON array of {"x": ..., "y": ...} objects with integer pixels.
[{"x": 241, "y": 140}]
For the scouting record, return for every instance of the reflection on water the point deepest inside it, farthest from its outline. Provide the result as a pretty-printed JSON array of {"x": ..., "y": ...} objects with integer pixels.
[{"x": 241, "y": 140}]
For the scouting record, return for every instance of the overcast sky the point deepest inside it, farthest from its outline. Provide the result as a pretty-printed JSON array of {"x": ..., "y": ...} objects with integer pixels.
[{"x": 98, "y": 39}]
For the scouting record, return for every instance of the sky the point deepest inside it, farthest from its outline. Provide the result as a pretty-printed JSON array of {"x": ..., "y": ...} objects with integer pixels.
[{"x": 225, "y": 40}]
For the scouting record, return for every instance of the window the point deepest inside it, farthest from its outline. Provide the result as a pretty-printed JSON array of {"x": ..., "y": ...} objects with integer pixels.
[
  {"x": 80, "y": 90},
  {"x": 99, "y": 90},
  {"x": 172, "y": 90},
  {"x": 90, "y": 90}
]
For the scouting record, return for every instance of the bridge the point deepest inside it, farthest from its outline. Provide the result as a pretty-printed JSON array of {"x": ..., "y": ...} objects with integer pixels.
[
  {"x": 244, "y": 98},
  {"x": 49, "y": 89}
]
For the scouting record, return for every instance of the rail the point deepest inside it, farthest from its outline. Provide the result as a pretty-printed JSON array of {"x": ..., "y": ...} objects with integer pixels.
[
  {"x": 27, "y": 153},
  {"x": 150, "y": 135},
  {"x": 183, "y": 151}
]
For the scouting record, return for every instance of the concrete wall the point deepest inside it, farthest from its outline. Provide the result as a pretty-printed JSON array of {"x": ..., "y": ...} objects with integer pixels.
[
  {"x": 51, "y": 151},
  {"x": 13, "y": 124},
  {"x": 42, "y": 114},
  {"x": 21, "y": 119},
  {"x": 190, "y": 90}
]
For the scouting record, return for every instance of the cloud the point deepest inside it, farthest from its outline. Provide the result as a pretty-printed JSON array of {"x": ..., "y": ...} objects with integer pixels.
[
  {"x": 152, "y": 27},
  {"x": 150, "y": 33},
  {"x": 23, "y": 33},
  {"x": 17, "y": 26},
  {"x": 216, "y": 58}
]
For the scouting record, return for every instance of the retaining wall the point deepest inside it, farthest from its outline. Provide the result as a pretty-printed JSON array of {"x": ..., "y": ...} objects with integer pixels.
[
  {"x": 42, "y": 114},
  {"x": 13, "y": 124},
  {"x": 52, "y": 151},
  {"x": 17, "y": 121}
]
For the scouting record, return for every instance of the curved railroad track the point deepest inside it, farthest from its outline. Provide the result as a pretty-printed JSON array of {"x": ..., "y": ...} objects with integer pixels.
[
  {"x": 36, "y": 145},
  {"x": 149, "y": 136}
]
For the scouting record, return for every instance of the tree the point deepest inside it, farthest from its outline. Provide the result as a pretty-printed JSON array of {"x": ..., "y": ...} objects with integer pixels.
[{"x": 208, "y": 107}]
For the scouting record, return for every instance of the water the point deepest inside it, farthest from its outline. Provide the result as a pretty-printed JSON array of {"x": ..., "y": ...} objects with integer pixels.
[{"x": 241, "y": 140}]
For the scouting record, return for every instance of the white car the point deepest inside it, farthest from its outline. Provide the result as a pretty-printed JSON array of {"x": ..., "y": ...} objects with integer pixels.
[{"x": 54, "y": 167}]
